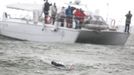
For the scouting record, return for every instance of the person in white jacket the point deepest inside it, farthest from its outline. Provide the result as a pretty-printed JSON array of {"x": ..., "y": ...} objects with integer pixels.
[{"x": 53, "y": 12}]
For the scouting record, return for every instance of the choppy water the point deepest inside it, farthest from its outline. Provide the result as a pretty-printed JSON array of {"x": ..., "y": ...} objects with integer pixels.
[{"x": 33, "y": 58}]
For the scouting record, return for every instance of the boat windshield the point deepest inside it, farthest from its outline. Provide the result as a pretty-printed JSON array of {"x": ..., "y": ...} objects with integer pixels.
[{"x": 95, "y": 19}]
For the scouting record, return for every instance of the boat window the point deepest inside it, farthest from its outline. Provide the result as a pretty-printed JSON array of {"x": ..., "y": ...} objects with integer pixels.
[{"x": 19, "y": 14}]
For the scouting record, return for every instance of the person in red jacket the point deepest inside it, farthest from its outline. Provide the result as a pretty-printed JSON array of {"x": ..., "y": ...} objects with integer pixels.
[
  {"x": 79, "y": 17},
  {"x": 82, "y": 16}
]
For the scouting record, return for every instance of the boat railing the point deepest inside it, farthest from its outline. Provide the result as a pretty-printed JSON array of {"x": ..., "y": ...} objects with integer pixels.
[
  {"x": 71, "y": 21},
  {"x": 66, "y": 21}
]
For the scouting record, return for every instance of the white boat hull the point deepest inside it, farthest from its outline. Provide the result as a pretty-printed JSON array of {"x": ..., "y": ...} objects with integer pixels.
[{"x": 33, "y": 32}]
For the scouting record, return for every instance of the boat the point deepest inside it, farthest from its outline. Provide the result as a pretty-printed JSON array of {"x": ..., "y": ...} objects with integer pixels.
[{"x": 24, "y": 28}]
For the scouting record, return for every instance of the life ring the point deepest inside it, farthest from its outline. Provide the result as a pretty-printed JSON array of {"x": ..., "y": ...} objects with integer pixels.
[
  {"x": 113, "y": 23},
  {"x": 113, "y": 27}
]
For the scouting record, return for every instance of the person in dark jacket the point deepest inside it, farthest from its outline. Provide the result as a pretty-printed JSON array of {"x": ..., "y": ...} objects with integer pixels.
[
  {"x": 128, "y": 21},
  {"x": 69, "y": 15},
  {"x": 46, "y": 9}
]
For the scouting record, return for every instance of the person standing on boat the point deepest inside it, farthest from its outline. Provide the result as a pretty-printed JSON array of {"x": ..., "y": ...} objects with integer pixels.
[
  {"x": 46, "y": 9},
  {"x": 60, "y": 17},
  {"x": 53, "y": 12},
  {"x": 77, "y": 17},
  {"x": 128, "y": 21},
  {"x": 82, "y": 16},
  {"x": 69, "y": 15}
]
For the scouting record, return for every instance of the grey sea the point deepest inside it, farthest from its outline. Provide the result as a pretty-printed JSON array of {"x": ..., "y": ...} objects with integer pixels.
[{"x": 33, "y": 58}]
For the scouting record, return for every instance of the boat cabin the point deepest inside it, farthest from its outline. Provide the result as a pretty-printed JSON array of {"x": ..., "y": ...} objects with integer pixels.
[{"x": 23, "y": 13}]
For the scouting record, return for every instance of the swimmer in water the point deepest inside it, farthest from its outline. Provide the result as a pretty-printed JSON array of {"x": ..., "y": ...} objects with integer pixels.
[{"x": 57, "y": 64}]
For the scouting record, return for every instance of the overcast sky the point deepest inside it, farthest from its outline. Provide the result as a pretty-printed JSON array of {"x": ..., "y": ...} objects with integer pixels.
[{"x": 112, "y": 9}]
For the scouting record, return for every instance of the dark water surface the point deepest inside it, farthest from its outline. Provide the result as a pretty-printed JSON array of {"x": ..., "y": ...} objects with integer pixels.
[{"x": 33, "y": 58}]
